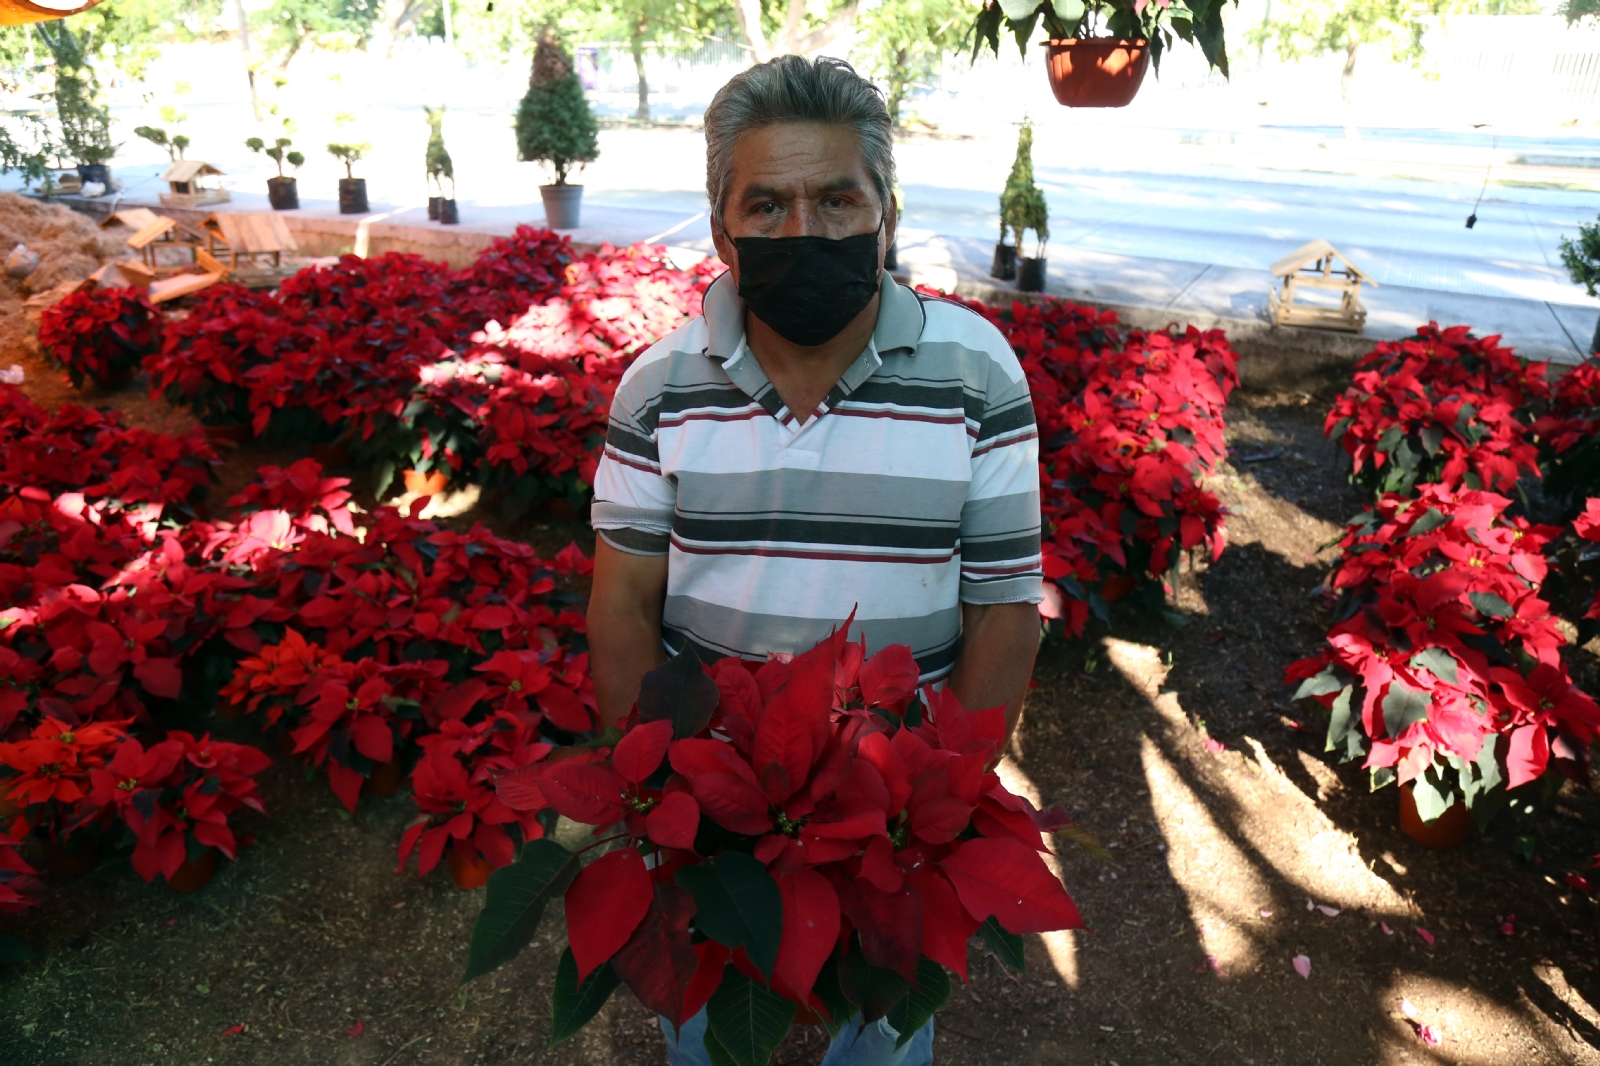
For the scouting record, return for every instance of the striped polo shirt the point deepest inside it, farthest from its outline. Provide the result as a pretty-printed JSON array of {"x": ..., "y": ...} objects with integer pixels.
[{"x": 915, "y": 487}]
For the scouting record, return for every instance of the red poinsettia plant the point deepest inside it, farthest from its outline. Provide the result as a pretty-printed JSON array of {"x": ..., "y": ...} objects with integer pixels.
[
  {"x": 176, "y": 797},
  {"x": 1444, "y": 406},
  {"x": 1569, "y": 438},
  {"x": 1443, "y": 664},
  {"x": 101, "y": 335},
  {"x": 1129, "y": 428},
  {"x": 810, "y": 837}
]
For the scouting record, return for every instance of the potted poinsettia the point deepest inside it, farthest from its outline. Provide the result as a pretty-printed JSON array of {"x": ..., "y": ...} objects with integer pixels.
[
  {"x": 1097, "y": 51},
  {"x": 811, "y": 839},
  {"x": 47, "y": 775},
  {"x": 1443, "y": 665},
  {"x": 176, "y": 798},
  {"x": 102, "y": 335}
]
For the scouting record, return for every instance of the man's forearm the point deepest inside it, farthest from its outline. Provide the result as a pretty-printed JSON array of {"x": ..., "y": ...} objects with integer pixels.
[
  {"x": 998, "y": 645},
  {"x": 623, "y": 646},
  {"x": 624, "y": 626}
]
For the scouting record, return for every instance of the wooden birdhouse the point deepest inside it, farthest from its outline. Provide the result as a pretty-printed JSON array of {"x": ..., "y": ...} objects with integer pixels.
[
  {"x": 193, "y": 183},
  {"x": 1318, "y": 266}
]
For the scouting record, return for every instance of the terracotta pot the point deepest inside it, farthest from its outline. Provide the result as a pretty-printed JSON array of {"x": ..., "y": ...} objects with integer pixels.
[
  {"x": 335, "y": 454},
  {"x": 1449, "y": 830},
  {"x": 384, "y": 780},
  {"x": 429, "y": 484},
  {"x": 194, "y": 873},
  {"x": 1117, "y": 586},
  {"x": 74, "y": 859},
  {"x": 1097, "y": 71},
  {"x": 226, "y": 435},
  {"x": 468, "y": 873}
]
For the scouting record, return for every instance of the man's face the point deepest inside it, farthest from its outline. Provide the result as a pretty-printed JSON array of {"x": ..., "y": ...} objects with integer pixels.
[{"x": 800, "y": 179}]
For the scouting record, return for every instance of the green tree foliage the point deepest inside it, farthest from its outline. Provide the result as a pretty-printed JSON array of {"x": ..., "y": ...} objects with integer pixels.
[
  {"x": 554, "y": 123},
  {"x": 901, "y": 43},
  {"x": 1582, "y": 257},
  {"x": 1319, "y": 27},
  {"x": 1022, "y": 204}
]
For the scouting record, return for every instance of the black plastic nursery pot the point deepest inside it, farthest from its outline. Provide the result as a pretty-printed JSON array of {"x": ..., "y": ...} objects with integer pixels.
[
  {"x": 1030, "y": 274},
  {"x": 433, "y": 208},
  {"x": 447, "y": 212},
  {"x": 100, "y": 172},
  {"x": 353, "y": 196},
  {"x": 1004, "y": 266},
  {"x": 283, "y": 194}
]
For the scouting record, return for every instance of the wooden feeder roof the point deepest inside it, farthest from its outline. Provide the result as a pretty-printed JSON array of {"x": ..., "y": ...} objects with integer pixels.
[
  {"x": 189, "y": 169},
  {"x": 252, "y": 234},
  {"x": 1309, "y": 255},
  {"x": 136, "y": 218},
  {"x": 156, "y": 227}
]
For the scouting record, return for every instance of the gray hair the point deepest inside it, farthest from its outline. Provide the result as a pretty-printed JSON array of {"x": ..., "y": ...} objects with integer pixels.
[{"x": 794, "y": 89}]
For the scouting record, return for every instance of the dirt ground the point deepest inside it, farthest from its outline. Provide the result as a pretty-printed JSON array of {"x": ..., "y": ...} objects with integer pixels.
[{"x": 1228, "y": 864}]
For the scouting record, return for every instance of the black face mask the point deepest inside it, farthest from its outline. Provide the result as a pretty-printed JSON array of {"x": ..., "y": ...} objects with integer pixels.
[{"x": 808, "y": 288}]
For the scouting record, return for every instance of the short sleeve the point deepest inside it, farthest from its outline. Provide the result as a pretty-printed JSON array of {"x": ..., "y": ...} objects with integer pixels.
[
  {"x": 633, "y": 502},
  {"x": 1000, "y": 519}
]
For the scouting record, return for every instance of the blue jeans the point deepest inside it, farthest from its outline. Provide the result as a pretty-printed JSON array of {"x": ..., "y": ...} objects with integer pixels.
[{"x": 856, "y": 1045}]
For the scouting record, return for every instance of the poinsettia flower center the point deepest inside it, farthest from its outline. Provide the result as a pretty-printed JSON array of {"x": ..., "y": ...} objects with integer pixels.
[
  {"x": 67, "y": 738},
  {"x": 128, "y": 784},
  {"x": 789, "y": 826},
  {"x": 642, "y": 804}
]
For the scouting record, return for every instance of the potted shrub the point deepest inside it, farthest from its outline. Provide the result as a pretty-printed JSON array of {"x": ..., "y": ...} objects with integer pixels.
[
  {"x": 85, "y": 122},
  {"x": 1582, "y": 260},
  {"x": 282, "y": 191},
  {"x": 1097, "y": 50},
  {"x": 437, "y": 161},
  {"x": 1023, "y": 208},
  {"x": 556, "y": 127},
  {"x": 352, "y": 190},
  {"x": 857, "y": 891},
  {"x": 175, "y": 146}
]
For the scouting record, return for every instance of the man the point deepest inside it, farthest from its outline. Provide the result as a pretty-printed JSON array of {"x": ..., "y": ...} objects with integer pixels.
[{"x": 820, "y": 440}]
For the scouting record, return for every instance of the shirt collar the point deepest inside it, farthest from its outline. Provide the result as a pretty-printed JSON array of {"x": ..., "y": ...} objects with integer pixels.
[{"x": 900, "y": 320}]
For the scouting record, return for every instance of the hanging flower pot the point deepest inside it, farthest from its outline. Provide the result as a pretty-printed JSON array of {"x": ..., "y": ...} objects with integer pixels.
[
  {"x": 430, "y": 484},
  {"x": 194, "y": 873},
  {"x": 468, "y": 873},
  {"x": 1097, "y": 71},
  {"x": 1449, "y": 830}
]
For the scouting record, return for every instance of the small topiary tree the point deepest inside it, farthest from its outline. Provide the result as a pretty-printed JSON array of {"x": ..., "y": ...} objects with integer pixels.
[
  {"x": 277, "y": 154},
  {"x": 349, "y": 155},
  {"x": 1582, "y": 260},
  {"x": 1022, "y": 204},
  {"x": 554, "y": 123}
]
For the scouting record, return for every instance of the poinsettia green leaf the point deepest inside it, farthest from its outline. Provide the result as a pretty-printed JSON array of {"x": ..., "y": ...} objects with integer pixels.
[
  {"x": 515, "y": 901},
  {"x": 572, "y": 1004},
  {"x": 1432, "y": 439},
  {"x": 1019, "y": 9},
  {"x": 1490, "y": 604},
  {"x": 737, "y": 904},
  {"x": 826, "y": 988},
  {"x": 14, "y": 950},
  {"x": 681, "y": 691},
  {"x": 1340, "y": 723},
  {"x": 1439, "y": 663},
  {"x": 874, "y": 989},
  {"x": 1402, "y": 706},
  {"x": 1007, "y": 946},
  {"x": 1320, "y": 684},
  {"x": 920, "y": 1003},
  {"x": 1431, "y": 794},
  {"x": 748, "y": 1019},
  {"x": 1431, "y": 520}
]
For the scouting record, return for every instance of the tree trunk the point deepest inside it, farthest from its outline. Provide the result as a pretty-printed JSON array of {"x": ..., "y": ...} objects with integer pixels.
[
  {"x": 449, "y": 24},
  {"x": 748, "y": 13},
  {"x": 642, "y": 114},
  {"x": 897, "y": 87},
  {"x": 1345, "y": 80},
  {"x": 249, "y": 68}
]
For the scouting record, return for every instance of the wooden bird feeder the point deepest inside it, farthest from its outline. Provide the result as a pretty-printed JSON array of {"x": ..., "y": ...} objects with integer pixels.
[
  {"x": 193, "y": 183},
  {"x": 1314, "y": 266},
  {"x": 251, "y": 236}
]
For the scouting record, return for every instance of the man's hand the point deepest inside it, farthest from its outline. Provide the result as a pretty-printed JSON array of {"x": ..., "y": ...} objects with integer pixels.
[
  {"x": 624, "y": 626},
  {"x": 998, "y": 643}
]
